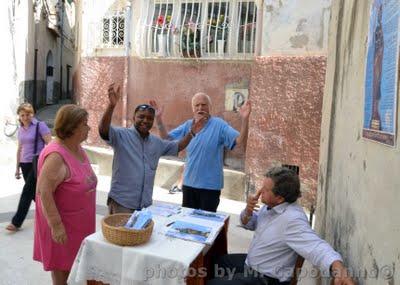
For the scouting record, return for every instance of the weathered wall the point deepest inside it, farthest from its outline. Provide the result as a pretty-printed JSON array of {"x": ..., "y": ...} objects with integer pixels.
[
  {"x": 295, "y": 27},
  {"x": 172, "y": 84},
  {"x": 286, "y": 90},
  {"x": 9, "y": 96},
  {"x": 358, "y": 191},
  {"x": 287, "y": 99},
  {"x": 92, "y": 79},
  {"x": 26, "y": 34}
]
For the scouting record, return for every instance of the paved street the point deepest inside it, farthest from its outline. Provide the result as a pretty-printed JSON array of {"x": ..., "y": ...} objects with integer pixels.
[{"x": 16, "y": 264}]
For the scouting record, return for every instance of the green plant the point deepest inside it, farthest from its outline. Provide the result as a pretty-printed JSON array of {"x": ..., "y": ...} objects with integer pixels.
[
  {"x": 219, "y": 26},
  {"x": 190, "y": 40}
]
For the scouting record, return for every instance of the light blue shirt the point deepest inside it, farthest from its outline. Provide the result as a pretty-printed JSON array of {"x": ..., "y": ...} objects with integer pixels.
[
  {"x": 281, "y": 234},
  {"x": 134, "y": 165},
  {"x": 204, "y": 154}
]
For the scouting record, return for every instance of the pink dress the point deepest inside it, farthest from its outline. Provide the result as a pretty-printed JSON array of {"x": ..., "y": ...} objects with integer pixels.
[{"x": 75, "y": 199}]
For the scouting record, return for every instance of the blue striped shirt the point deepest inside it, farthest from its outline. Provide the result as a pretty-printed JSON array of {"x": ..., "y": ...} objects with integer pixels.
[
  {"x": 281, "y": 234},
  {"x": 134, "y": 165}
]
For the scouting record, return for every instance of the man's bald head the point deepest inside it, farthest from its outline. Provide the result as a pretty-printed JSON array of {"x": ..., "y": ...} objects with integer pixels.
[
  {"x": 201, "y": 104},
  {"x": 201, "y": 95}
]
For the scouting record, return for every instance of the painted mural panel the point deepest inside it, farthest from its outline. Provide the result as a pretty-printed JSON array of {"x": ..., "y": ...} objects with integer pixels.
[{"x": 382, "y": 72}]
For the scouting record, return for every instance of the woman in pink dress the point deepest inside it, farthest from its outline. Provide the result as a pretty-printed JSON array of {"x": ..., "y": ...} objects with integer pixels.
[{"x": 66, "y": 195}]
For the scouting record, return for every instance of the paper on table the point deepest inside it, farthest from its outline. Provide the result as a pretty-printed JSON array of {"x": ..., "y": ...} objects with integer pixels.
[
  {"x": 208, "y": 215},
  {"x": 193, "y": 232},
  {"x": 164, "y": 210},
  {"x": 168, "y": 206}
]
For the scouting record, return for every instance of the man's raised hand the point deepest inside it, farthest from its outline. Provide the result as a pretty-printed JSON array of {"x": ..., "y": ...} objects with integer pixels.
[
  {"x": 252, "y": 201},
  {"x": 114, "y": 94},
  {"x": 159, "y": 109},
  {"x": 245, "y": 110}
]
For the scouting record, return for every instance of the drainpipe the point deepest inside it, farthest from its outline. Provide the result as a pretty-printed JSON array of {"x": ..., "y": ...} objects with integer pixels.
[
  {"x": 34, "y": 95},
  {"x": 36, "y": 20},
  {"x": 61, "y": 47},
  {"x": 127, "y": 43}
]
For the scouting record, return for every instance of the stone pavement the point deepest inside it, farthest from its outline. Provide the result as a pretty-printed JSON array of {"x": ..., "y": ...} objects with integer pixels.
[
  {"x": 16, "y": 264},
  {"x": 48, "y": 113}
]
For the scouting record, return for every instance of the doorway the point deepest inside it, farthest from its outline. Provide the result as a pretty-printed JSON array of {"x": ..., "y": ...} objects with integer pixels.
[{"x": 49, "y": 78}]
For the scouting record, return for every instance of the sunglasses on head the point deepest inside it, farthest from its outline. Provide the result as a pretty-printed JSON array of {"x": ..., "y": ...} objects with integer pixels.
[{"x": 144, "y": 107}]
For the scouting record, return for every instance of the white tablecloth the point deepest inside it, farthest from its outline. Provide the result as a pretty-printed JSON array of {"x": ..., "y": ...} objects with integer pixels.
[{"x": 161, "y": 261}]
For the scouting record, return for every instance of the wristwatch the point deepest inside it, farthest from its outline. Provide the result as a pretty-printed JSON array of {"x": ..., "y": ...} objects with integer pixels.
[{"x": 192, "y": 133}]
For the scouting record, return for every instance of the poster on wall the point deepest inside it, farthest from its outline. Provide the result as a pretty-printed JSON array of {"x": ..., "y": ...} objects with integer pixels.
[{"x": 381, "y": 79}]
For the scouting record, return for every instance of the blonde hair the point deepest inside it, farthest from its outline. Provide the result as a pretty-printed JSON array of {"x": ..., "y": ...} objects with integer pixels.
[
  {"x": 67, "y": 120},
  {"x": 25, "y": 107}
]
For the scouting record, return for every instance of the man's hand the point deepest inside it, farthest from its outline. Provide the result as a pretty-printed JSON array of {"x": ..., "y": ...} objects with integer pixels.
[
  {"x": 114, "y": 95},
  {"x": 59, "y": 234},
  {"x": 200, "y": 115},
  {"x": 159, "y": 109},
  {"x": 252, "y": 201},
  {"x": 340, "y": 274},
  {"x": 245, "y": 110},
  {"x": 199, "y": 124}
]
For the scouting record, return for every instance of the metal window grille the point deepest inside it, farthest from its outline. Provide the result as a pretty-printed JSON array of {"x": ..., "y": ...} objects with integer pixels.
[
  {"x": 199, "y": 29},
  {"x": 217, "y": 27},
  {"x": 247, "y": 19},
  {"x": 113, "y": 28}
]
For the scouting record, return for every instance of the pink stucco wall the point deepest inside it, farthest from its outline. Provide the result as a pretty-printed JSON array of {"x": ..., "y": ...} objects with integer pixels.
[
  {"x": 285, "y": 124},
  {"x": 170, "y": 83},
  {"x": 286, "y": 94},
  {"x": 91, "y": 82},
  {"x": 173, "y": 83}
]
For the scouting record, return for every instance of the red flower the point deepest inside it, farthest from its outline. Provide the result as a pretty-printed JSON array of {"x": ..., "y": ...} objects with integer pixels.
[{"x": 160, "y": 20}]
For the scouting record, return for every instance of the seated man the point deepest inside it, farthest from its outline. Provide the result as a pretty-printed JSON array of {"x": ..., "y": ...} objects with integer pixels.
[{"x": 282, "y": 232}]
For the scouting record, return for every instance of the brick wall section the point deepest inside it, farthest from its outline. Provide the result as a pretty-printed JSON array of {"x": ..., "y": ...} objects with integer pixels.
[
  {"x": 285, "y": 123},
  {"x": 92, "y": 79}
]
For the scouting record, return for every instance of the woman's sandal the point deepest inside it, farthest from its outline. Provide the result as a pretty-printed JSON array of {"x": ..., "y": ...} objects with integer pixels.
[{"x": 12, "y": 228}]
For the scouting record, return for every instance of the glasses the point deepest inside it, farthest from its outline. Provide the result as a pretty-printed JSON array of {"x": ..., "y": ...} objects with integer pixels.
[{"x": 144, "y": 107}]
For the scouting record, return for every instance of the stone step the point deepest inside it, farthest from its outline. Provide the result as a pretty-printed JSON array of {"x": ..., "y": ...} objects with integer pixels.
[{"x": 168, "y": 172}]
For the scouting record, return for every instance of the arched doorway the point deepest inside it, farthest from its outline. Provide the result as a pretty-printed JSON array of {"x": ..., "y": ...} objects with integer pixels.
[{"x": 49, "y": 78}]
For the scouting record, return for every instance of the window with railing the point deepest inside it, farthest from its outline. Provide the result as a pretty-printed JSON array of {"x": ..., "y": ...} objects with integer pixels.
[
  {"x": 199, "y": 29},
  {"x": 113, "y": 30}
]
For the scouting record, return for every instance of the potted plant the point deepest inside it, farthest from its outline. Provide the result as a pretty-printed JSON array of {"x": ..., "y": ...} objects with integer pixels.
[
  {"x": 219, "y": 33},
  {"x": 190, "y": 40},
  {"x": 163, "y": 25},
  {"x": 245, "y": 37}
]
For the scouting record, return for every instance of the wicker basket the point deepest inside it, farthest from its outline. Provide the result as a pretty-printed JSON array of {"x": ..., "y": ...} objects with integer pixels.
[{"x": 114, "y": 231}]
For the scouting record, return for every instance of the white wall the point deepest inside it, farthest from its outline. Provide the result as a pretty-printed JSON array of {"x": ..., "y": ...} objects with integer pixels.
[
  {"x": 295, "y": 26},
  {"x": 359, "y": 185},
  {"x": 91, "y": 23},
  {"x": 288, "y": 26},
  {"x": 9, "y": 94}
]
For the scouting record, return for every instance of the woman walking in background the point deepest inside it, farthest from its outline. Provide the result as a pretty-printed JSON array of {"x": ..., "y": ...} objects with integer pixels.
[
  {"x": 66, "y": 195},
  {"x": 31, "y": 133}
]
